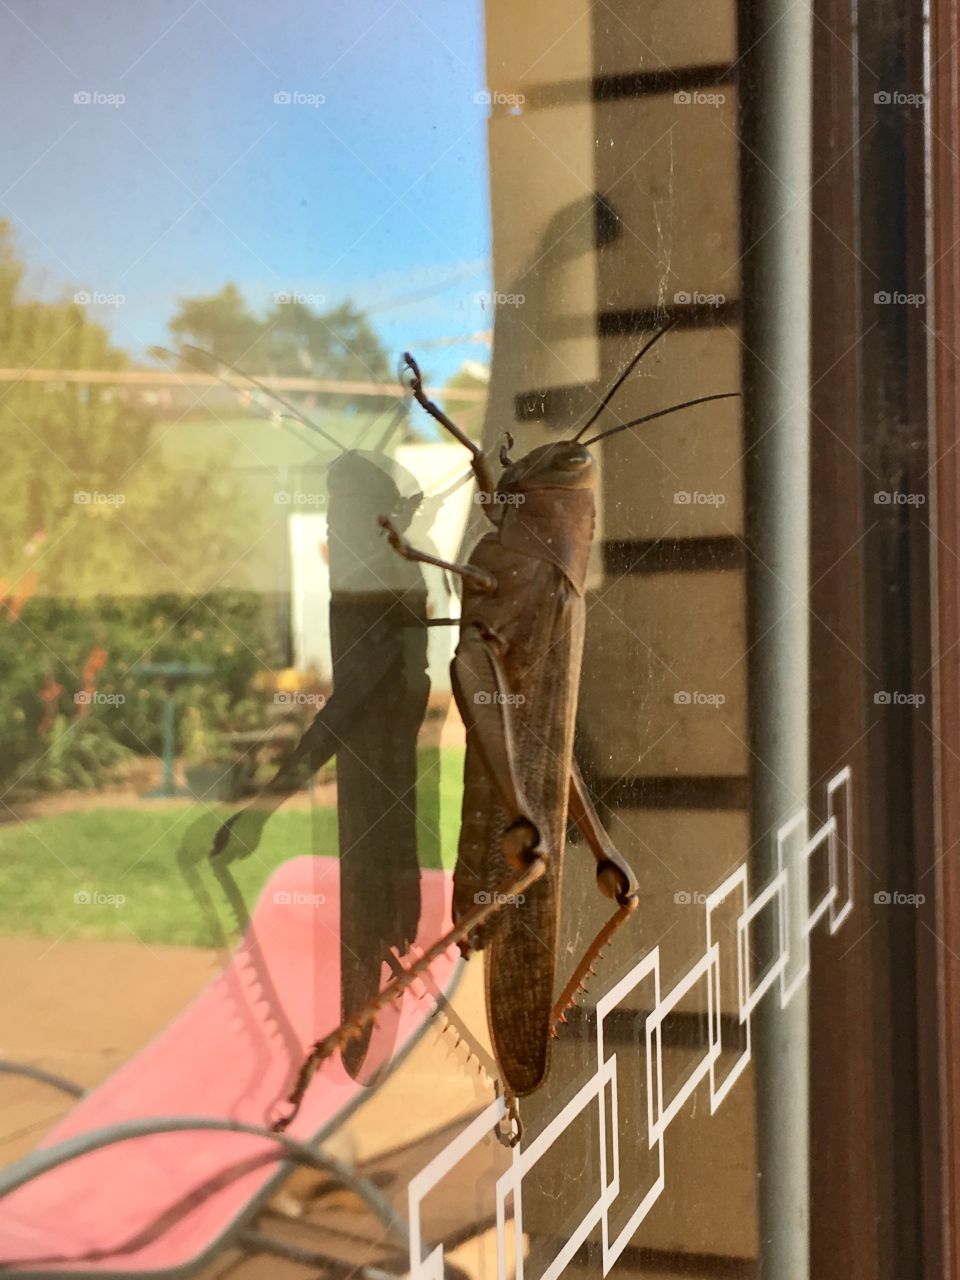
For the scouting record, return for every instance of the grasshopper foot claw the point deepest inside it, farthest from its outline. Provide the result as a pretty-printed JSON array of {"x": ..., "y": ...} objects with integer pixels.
[
  {"x": 509, "y": 1129},
  {"x": 282, "y": 1123}
]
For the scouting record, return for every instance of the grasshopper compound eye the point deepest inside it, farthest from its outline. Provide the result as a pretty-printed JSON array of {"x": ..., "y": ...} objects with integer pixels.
[{"x": 575, "y": 461}]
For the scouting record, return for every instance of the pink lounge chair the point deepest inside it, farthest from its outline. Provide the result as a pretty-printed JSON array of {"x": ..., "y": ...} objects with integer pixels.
[{"x": 168, "y": 1161}]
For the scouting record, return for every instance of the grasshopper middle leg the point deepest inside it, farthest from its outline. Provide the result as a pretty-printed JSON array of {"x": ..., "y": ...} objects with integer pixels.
[{"x": 482, "y": 581}]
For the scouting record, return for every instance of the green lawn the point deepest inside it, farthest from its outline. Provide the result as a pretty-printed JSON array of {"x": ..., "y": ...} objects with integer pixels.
[{"x": 156, "y": 859}]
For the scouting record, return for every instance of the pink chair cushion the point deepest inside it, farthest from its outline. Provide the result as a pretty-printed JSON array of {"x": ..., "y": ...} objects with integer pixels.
[{"x": 234, "y": 1054}]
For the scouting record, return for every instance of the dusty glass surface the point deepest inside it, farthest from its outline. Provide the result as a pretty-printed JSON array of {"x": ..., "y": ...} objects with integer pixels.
[{"x": 231, "y": 759}]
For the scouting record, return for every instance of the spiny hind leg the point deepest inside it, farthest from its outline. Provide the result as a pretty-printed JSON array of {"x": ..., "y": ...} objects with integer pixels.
[
  {"x": 615, "y": 880},
  {"x": 518, "y": 882},
  {"x": 509, "y": 1130}
]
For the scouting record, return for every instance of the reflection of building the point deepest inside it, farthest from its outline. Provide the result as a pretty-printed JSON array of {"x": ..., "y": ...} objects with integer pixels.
[
  {"x": 279, "y": 474},
  {"x": 435, "y": 467},
  {"x": 615, "y": 201}
]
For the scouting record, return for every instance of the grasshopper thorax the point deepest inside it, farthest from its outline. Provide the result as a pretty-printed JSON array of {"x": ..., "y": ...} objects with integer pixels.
[{"x": 546, "y": 500}]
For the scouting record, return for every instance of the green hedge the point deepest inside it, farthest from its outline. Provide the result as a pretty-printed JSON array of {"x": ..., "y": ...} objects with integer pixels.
[{"x": 49, "y": 741}]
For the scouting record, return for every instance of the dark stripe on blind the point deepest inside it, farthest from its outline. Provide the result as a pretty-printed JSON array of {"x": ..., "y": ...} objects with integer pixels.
[
  {"x": 615, "y": 88},
  {"x": 562, "y": 405},
  {"x": 638, "y": 1262},
  {"x": 640, "y": 84},
  {"x": 679, "y": 1030},
  {"x": 679, "y": 555},
  {"x": 690, "y": 315},
  {"x": 677, "y": 791}
]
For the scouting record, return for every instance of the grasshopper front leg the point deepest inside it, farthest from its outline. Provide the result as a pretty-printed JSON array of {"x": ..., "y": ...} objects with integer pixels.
[
  {"x": 478, "y": 460},
  {"x": 482, "y": 691},
  {"x": 614, "y": 874}
]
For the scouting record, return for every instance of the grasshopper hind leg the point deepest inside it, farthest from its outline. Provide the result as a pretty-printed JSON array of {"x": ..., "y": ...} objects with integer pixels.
[
  {"x": 585, "y": 969},
  {"x": 485, "y": 701},
  {"x": 519, "y": 882},
  {"x": 615, "y": 880}
]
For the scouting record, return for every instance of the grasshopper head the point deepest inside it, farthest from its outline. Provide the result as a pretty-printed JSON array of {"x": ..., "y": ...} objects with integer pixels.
[{"x": 564, "y": 465}]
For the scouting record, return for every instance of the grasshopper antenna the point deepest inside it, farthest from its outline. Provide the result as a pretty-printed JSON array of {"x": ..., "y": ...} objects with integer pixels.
[
  {"x": 169, "y": 355},
  {"x": 274, "y": 395},
  {"x": 661, "y": 413},
  {"x": 442, "y": 495},
  {"x": 625, "y": 375},
  {"x": 274, "y": 413},
  {"x": 395, "y": 420}
]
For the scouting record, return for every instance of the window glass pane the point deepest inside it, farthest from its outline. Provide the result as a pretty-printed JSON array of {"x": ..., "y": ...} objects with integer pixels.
[{"x": 319, "y": 667}]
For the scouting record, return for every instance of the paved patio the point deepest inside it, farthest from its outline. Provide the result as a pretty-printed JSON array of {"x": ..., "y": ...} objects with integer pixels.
[{"x": 81, "y": 1009}]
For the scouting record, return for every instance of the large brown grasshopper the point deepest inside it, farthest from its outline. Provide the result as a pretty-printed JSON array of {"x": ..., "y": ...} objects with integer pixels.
[{"x": 515, "y": 677}]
